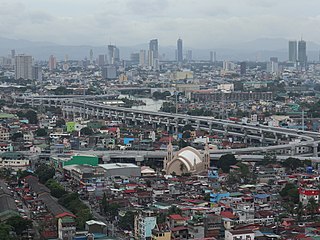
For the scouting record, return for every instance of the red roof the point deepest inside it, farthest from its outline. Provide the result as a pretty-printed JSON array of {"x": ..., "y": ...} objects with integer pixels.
[
  {"x": 180, "y": 228},
  {"x": 65, "y": 214},
  {"x": 227, "y": 214},
  {"x": 129, "y": 191},
  {"x": 177, "y": 217}
]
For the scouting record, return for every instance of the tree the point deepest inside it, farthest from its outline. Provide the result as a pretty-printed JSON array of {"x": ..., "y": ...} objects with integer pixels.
[
  {"x": 5, "y": 232},
  {"x": 16, "y": 136},
  {"x": 292, "y": 163},
  {"x": 299, "y": 211},
  {"x": 19, "y": 224},
  {"x": 56, "y": 189},
  {"x": 186, "y": 134},
  {"x": 31, "y": 116},
  {"x": 86, "y": 131},
  {"x": 41, "y": 132},
  {"x": 225, "y": 161},
  {"x": 127, "y": 221},
  {"x": 60, "y": 123},
  {"x": 312, "y": 207},
  {"x": 290, "y": 192},
  {"x": 44, "y": 172}
]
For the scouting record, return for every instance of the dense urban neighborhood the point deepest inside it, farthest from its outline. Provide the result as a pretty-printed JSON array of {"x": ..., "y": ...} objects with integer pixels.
[{"x": 147, "y": 148}]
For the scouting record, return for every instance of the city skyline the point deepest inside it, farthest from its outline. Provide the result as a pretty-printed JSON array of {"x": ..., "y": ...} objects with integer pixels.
[{"x": 208, "y": 23}]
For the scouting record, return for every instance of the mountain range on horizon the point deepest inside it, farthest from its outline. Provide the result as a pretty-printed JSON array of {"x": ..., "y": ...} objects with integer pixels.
[{"x": 257, "y": 50}]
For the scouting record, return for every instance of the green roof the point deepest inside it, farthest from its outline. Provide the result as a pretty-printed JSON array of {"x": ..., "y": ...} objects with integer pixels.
[{"x": 6, "y": 115}]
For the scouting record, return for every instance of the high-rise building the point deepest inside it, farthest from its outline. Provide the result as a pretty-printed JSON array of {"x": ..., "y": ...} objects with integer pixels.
[
  {"x": 91, "y": 56},
  {"x": 52, "y": 63},
  {"x": 150, "y": 58},
  {"x": 23, "y": 67},
  {"x": 153, "y": 46},
  {"x": 302, "y": 53},
  {"x": 189, "y": 55},
  {"x": 211, "y": 56},
  {"x": 37, "y": 73},
  {"x": 142, "y": 58},
  {"x": 113, "y": 54},
  {"x": 109, "y": 72},
  {"x": 101, "y": 60},
  {"x": 273, "y": 65},
  {"x": 135, "y": 57},
  {"x": 243, "y": 68},
  {"x": 153, "y": 53},
  {"x": 179, "y": 51},
  {"x": 292, "y": 51}
]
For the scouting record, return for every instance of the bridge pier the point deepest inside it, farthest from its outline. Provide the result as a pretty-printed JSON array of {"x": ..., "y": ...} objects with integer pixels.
[
  {"x": 315, "y": 150},
  {"x": 293, "y": 151}
]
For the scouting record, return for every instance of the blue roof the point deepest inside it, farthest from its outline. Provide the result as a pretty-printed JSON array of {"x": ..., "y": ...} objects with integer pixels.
[{"x": 261, "y": 196}]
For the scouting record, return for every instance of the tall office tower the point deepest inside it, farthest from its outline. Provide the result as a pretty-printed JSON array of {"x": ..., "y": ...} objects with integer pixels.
[
  {"x": 91, "y": 56},
  {"x": 215, "y": 57},
  {"x": 142, "y": 58},
  {"x": 273, "y": 65},
  {"x": 113, "y": 54},
  {"x": 292, "y": 51},
  {"x": 211, "y": 56},
  {"x": 23, "y": 67},
  {"x": 302, "y": 53},
  {"x": 134, "y": 58},
  {"x": 109, "y": 72},
  {"x": 150, "y": 58},
  {"x": 243, "y": 68},
  {"x": 179, "y": 51},
  {"x": 37, "y": 73},
  {"x": 13, "y": 53},
  {"x": 52, "y": 63},
  {"x": 189, "y": 55},
  {"x": 153, "y": 46},
  {"x": 101, "y": 60}
]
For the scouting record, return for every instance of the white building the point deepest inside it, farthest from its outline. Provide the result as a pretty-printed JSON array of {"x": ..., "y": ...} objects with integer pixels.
[{"x": 245, "y": 234}]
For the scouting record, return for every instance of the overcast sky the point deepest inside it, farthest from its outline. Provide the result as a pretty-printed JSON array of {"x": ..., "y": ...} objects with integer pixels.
[{"x": 200, "y": 23}]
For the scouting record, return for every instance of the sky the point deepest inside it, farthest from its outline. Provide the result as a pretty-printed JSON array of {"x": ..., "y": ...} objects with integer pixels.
[{"x": 200, "y": 23}]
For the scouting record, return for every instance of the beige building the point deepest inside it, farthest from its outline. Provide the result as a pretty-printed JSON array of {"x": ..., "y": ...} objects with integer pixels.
[{"x": 187, "y": 160}]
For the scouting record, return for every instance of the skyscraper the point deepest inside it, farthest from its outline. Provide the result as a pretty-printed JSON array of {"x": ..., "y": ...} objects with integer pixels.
[
  {"x": 292, "y": 51},
  {"x": 142, "y": 58},
  {"x": 52, "y": 63},
  {"x": 113, "y": 54},
  {"x": 179, "y": 51},
  {"x": 153, "y": 46},
  {"x": 101, "y": 60},
  {"x": 302, "y": 53},
  {"x": 211, "y": 56},
  {"x": 23, "y": 67}
]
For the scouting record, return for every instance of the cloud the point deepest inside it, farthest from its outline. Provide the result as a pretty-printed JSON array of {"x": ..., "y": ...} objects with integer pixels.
[{"x": 200, "y": 23}]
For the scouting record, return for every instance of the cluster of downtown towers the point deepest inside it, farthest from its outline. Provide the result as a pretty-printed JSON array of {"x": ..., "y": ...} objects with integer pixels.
[{"x": 298, "y": 52}]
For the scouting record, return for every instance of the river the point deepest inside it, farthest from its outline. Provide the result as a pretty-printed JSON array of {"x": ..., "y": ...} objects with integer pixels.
[{"x": 151, "y": 104}]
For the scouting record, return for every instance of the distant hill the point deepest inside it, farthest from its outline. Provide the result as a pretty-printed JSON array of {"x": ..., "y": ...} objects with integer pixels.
[{"x": 257, "y": 50}]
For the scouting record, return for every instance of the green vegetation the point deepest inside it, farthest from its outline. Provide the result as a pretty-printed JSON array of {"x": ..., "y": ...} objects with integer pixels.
[
  {"x": 225, "y": 161},
  {"x": 290, "y": 193},
  {"x": 19, "y": 224},
  {"x": 63, "y": 91},
  {"x": 30, "y": 115},
  {"x": 44, "y": 173},
  {"x": 41, "y": 132},
  {"x": 17, "y": 136},
  {"x": 72, "y": 202},
  {"x": 127, "y": 221},
  {"x": 86, "y": 131},
  {"x": 111, "y": 210},
  {"x": 161, "y": 95},
  {"x": 56, "y": 189}
]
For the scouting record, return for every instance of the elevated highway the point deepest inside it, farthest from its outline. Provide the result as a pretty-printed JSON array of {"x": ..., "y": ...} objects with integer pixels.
[{"x": 272, "y": 139}]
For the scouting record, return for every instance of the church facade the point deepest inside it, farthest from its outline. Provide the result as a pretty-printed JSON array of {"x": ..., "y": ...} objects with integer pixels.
[{"x": 186, "y": 161}]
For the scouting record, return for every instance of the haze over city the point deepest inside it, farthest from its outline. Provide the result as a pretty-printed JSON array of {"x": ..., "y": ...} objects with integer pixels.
[{"x": 202, "y": 24}]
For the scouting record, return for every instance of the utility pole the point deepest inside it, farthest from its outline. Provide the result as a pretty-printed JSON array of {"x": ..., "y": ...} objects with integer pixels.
[{"x": 176, "y": 93}]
